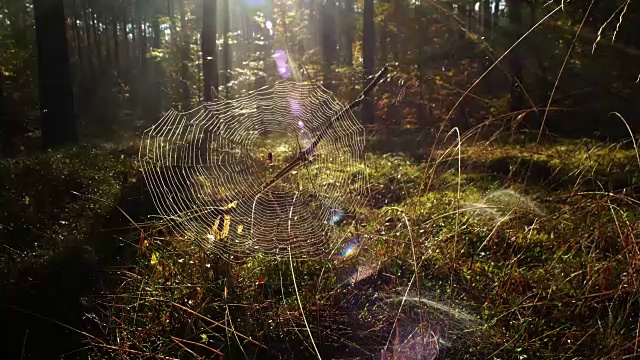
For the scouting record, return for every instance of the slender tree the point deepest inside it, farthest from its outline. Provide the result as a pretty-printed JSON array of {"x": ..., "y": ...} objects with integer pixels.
[
  {"x": 368, "y": 57},
  {"x": 208, "y": 44},
  {"x": 496, "y": 13},
  {"x": 348, "y": 27},
  {"x": 328, "y": 40},
  {"x": 226, "y": 55},
  {"x": 185, "y": 56},
  {"x": 54, "y": 74},
  {"x": 116, "y": 43},
  {"x": 485, "y": 12},
  {"x": 514, "y": 12}
]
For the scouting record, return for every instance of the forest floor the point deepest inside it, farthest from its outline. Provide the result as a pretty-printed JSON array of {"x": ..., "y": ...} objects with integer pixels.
[{"x": 490, "y": 250}]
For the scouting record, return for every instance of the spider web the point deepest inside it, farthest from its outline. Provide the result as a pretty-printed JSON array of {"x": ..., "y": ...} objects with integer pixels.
[{"x": 206, "y": 170}]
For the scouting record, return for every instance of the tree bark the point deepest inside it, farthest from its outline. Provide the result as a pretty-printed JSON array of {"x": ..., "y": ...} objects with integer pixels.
[
  {"x": 226, "y": 54},
  {"x": 348, "y": 26},
  {"x": 125, "y": 38},
  {"x": 185, "y": 57},
  {"x": 76, "y": 32},
  {"x": 96, "y": 36},
  {"x": 208, "y": 44},
  {"x": 54, "y": 75},
  {"x": 496, "y": 13},
  {"x": 514, "y": 13},
  {"x": 116, "y": 44},
  {"x": 87, "y": 36},
  {"x": 486, "y": 16},
  {"x": 368, "y": 58},
  {"x": 328, "y": 40}
]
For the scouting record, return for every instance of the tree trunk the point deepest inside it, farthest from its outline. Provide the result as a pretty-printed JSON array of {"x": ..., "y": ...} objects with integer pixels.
[
  {"x": 125, "y": 39},
  {"x": 328, "y": 40},
  {"x": 5, "y": 140},
  {"x": 185, "y": 57},
  {"x": 87, "y": 36},
  {"x": 515, "y": 59},
  {"x": 348, "y": 33},
  {"x": 143, "y": 43},
  {"x": 368, "y": 57},
  {"x": 104, "y": 36},
  {"x": 54, "y": 75},
  {"x": 96, "y": 37},
  {"x": 225, "y": 46},
  {"x": 496, "y": 13},
  {"x": 208, "y": 44},
  {"x": 157, "y": 38},
  {"x": 116, "y": 44},
  {"x": 396, "y": 40},
  {"x": 76, "y": 32},
  {"x": 486, "y": 16}
]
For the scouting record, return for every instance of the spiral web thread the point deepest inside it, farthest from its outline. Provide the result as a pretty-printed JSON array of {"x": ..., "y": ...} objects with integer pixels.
[{"x": 205, "y": 170}]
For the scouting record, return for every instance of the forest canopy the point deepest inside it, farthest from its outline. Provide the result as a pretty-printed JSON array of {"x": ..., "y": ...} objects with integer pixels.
[{"x": 129, "y": 61}]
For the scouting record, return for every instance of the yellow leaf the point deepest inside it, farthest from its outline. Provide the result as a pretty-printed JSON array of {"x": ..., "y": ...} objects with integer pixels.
[
  {"x": 154, "y": 259},
  {"x": 225, "y": 226},
  {"x": 214, "y": 229},
  {"x": 27, "y": 200},
  {"x": 230, "y": 205},
  {"x": 240, "y": 227}
]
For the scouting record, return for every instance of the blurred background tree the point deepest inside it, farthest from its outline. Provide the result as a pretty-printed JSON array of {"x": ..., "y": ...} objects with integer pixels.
[{"x": 131, "y": 60}]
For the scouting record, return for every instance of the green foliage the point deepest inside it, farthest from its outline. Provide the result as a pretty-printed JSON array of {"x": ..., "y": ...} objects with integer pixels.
[{"x": 531, "y": 270}]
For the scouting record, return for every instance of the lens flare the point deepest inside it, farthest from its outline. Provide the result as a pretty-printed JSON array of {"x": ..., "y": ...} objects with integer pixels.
[
  {"x": 280, "y": 57},
  {"x": 352, "y": 246},
  {"x": 269, "y": 25},
  {"x": 336, "y": 215}
]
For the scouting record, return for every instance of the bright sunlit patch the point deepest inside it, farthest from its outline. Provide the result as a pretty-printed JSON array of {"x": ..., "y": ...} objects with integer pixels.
[{"x": 254, "y": 3}]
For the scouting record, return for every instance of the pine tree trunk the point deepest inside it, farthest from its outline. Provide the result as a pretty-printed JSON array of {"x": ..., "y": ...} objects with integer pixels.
[
  {"x": 383, "y": 48},
  {"x": 515, "y": 58},
  {"x": 104, "y": 35},
  {"x": 486, "y": 16},
  {"x": 225, "y": 46},
  {"x": 116, "y": 44},
  {"x": 349, "y": 28},
  {"x": 96, "y": 37},
  {"x": 368, "y": 57},
  {"x": 328, "y": 40},
  {"x": 185, "y": 57},
  {"x": 157, "y": 38},
  {"x": 76, "y": 33},
  {"x": 125, "y": 39},
  {"x": 54, "y": 75},
  {"x": 143, "y": 43},
  {"x": 87, "y": 36},
  {"x": 208, "y": 44}
]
